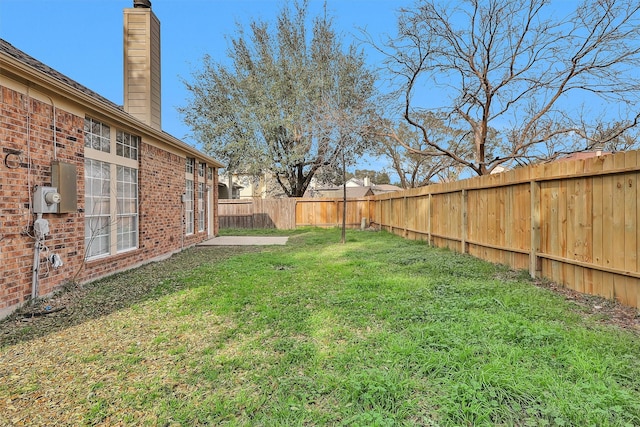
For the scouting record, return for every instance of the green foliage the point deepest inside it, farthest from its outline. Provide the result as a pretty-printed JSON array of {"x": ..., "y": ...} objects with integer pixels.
[{"x": 291, "y": 101}]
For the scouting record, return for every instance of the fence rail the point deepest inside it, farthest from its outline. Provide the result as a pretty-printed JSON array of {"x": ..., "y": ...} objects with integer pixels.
[{"x": 573, "y": 222}]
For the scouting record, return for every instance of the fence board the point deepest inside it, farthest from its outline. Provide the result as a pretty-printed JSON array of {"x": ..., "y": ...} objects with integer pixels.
[
  {"x": 607, "y": 226},
  {"x": 597, "y": 229},
  {"x": 630, "y": 226},
  {"x": 618, "y": 231}
]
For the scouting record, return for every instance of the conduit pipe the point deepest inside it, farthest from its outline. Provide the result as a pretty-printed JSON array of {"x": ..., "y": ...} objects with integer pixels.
[{"x": 35, "y": 281}]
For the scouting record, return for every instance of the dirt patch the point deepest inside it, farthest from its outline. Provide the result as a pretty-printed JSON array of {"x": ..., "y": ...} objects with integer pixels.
[{"x": 602, "y": 310}]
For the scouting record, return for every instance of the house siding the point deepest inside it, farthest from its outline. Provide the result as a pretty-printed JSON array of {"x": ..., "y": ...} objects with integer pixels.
[{"x": 27, "y": 125}]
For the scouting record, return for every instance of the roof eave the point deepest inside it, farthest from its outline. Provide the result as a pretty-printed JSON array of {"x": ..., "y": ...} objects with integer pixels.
[{"x": 33, "y": 76}]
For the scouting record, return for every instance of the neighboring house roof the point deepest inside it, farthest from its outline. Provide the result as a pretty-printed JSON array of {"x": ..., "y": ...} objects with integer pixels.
[
  {"x": 337, "y": 192},
  {"x": 498, "y": 169},
  {"x": 358, "y": 192},
  {"x": 353, "y": 190},
  {"x": 13, "y": 59},
  {"x": 385, "y": 188},
  {"x": 355, "y": 182},
  {"x": 583, "y": 155}
]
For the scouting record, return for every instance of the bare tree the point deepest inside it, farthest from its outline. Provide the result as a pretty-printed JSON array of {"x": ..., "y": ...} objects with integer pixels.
[
  {"x": 547, "y": 84},
  {"x": 416, "y": 162}
]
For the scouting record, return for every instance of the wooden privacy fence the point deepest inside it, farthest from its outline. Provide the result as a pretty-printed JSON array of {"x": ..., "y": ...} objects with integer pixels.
[
  {"x": 257, "y": 213},
  {"x": 328, "y": 212},
  {"x": 574, "y": 222},
  {"x": 287, "y": 214}
]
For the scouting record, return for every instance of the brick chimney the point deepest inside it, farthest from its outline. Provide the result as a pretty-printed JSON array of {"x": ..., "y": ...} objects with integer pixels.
[{"x": 142, "y": 63}]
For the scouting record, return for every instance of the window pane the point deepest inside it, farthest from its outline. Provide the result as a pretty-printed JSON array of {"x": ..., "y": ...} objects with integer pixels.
[
  {"x": 97, "y": 208},
  {"x": 127, "y": 208},
  {"x": 188, "y": 206},
  {"x": 100, "y": 195},
  {"x": 127, "y": 145},
  {"x": 97, "y": 236}
]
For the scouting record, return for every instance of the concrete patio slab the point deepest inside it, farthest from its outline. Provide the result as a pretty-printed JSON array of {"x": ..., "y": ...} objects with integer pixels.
[{"x": 245, "y": 241}]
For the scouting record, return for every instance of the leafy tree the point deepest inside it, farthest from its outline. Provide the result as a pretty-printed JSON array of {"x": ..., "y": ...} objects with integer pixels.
[
  {"x": 291, "y": 102},
  {"x": 520, "y": 68}
]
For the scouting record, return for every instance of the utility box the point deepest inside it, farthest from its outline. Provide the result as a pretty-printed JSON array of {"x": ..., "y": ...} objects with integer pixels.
[
  {"x": 64, "y": 176},
  {"x": 45, "y": 200}
]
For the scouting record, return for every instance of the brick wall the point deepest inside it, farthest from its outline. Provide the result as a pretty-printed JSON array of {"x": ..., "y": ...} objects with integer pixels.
[{"x": 26, "y": 126}]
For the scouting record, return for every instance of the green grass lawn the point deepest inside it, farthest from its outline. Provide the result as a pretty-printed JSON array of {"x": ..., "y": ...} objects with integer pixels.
[{"x": 377, "y": 332}]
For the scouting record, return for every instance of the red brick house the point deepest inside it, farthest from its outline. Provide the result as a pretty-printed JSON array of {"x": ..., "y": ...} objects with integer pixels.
[{"x": 89, "y": 188}]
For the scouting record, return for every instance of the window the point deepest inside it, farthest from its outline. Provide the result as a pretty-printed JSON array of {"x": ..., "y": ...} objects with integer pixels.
[
  {"x": 209, "y": 173},
  {"x": 201, "y": 218},
  {"x": 97, "y": 234},
  {"x": 127, "y": 197},
  {"x": 190, "y": 164},
  {"x": 188, "y": 207},
  {"x": 127, "y": 145},
  {"x": 111, "y": 190},
  {"x": 97, "y": 135},
  {"x": 201, "y": 168}
]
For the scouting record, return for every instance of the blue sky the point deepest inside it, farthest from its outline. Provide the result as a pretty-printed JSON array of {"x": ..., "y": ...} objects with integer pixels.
[{"x": 83, "y": 38}]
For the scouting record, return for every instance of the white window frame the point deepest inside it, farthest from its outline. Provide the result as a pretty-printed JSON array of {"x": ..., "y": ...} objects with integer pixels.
[
  {"x": 202, "y": 189},
  {"x": 97, "y": 235},
  {"x": 114, "y": 190},
  {"x": 97, "y": 135},
  {"x": 127, "y": 201},
  {"x": 127, "y": 145},
  {"x": 189, "y": 166},
  {"x": 188, "y": 207}
]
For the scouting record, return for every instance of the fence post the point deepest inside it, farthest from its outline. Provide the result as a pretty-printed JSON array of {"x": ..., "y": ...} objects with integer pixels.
[
  {"x": 463, "y": 209},
  {"x": 389, "y": 218},
  {"x": 406, "y": 219},
  {"x": 534, "y": 261},
  {"x": 429, "y": 208}
]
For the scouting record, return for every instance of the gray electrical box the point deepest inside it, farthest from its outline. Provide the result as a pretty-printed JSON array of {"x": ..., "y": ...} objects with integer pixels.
[
  {"x": 64, "y": 176},
  {"x": 45, "y": 200}
]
